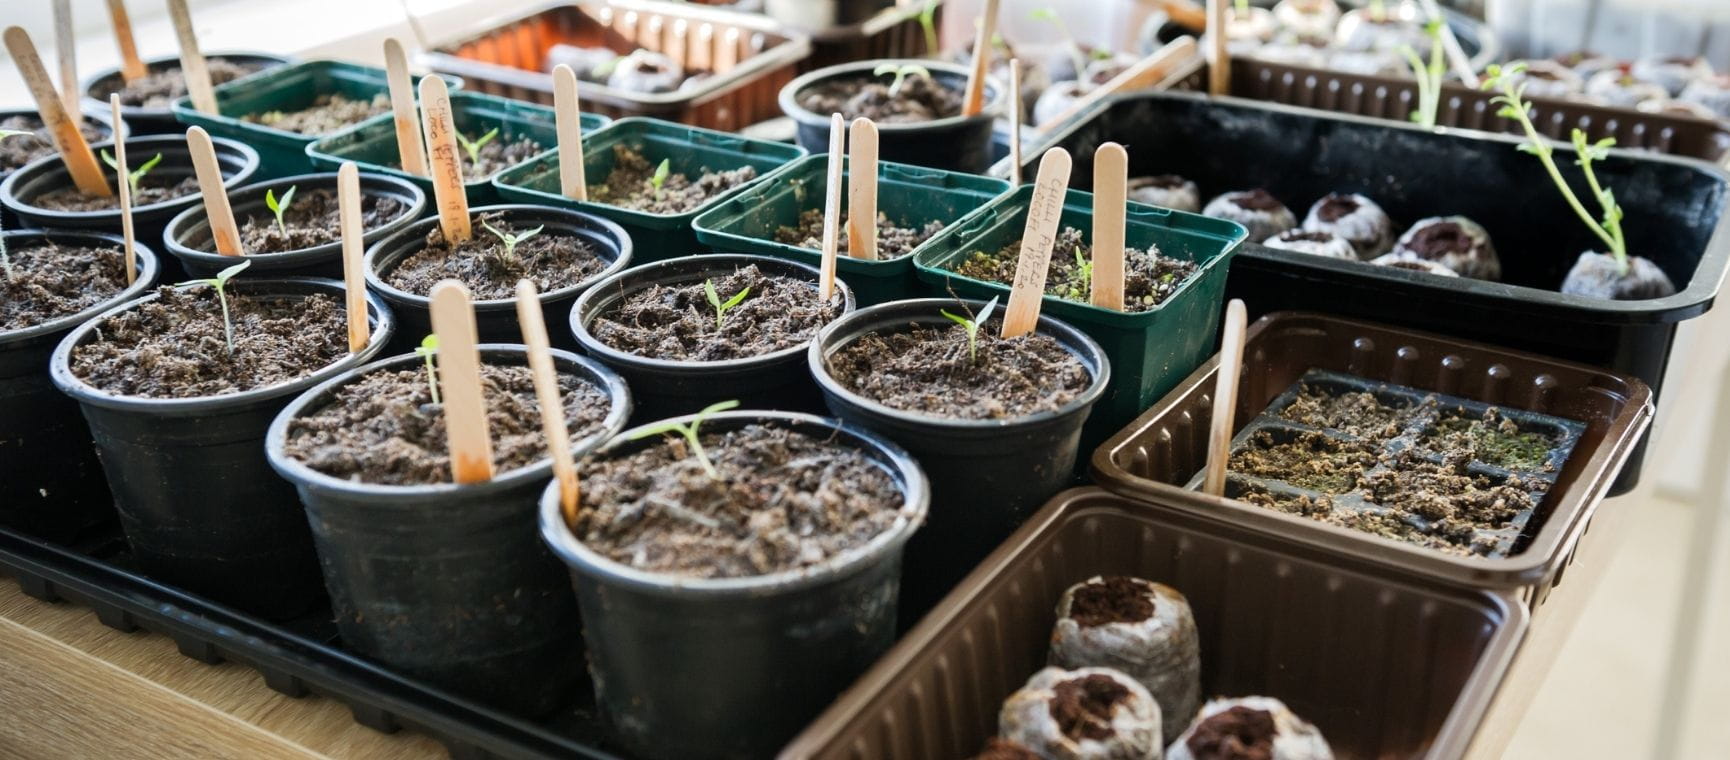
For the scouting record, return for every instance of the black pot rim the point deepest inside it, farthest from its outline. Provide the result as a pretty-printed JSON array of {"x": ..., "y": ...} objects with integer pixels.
[
  {"x": 298, "y": 473},
  {"x": 85, "y": 86},
  {"x": 52, "y": 163},
  {"x": 788, "y": 98},
  {"x": 916, "y": 502},
  {"x": 60, "y": 367},
  {"x": 147, "y": 271},
  {"x": 845, "y": 330},
  {"x": 184, "y": 222},
  {"x": 376, "y": 283},
  {"x": 594, "y": 347}
]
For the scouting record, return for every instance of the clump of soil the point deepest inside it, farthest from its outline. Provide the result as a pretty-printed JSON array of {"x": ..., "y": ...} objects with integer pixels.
[
  {"x": 1237, "y": 733},
  {"x": 1448, "y": 493},
  {"x": 161, "y": 87},
  {"x": 50, "y": 281},
  {"x": 783, "y": 501},
  {"x": 328, "y": 113},
  {"x": 1358, "y": 413},
  {"x": 1304, "y": 459},
  {"x": 929, "y": 370},
  {"x": 312, "y": 219},
  {"x": 1149, "y": 278},
  {"x": 1082, "y": 706},
  {"x": 630, "y": 185},
  {"x": 920, "y": 99},
  {"x": 384, "y": 428},
  {"x": 552, "y": 260},
  {"x": 1492, "y": 439},
  {"x": 152, "y": 188},
  {"x": 677, "y": 322},
  {"x": 173, "y": 347},
  {"x": 892, "y": 242},
  {"x": 1114, "y": 599},
  {"x": 18, "y": 150}
]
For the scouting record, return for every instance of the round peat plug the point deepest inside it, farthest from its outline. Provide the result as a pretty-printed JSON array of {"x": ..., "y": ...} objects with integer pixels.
[
  {"x": 1616, "y": 87},
  {"x": 1549, "y": 79},
  {"x": 1141, "y": 628},
  {"x": 1166, "y": 191},
  {"x": 1355, "y": 218},
  {"x": 1587, "y": 63},
  {"x": 1712, "y": 93},
  {"x": 1673, "y": 73},
  {"x": 1259, "y": 727},
  {"x": 1373, "y": 63},
  {"x": 1395, "y": 261},
  {"x": 1003, "y": 749},
  {"x": 1600, "y": 275},
  {"x": 1308, "y": 18},
  {"x": 1293, "y": 52},
  {"x": 1256, "y": 210},
  {"x": 1058, "y": 98},
  {"x": 1086, "y": 714},
  {"x": 1455, "y": 242},
  {"x": 1321, "y": 243},
  {"x": 646, "y": 72}
]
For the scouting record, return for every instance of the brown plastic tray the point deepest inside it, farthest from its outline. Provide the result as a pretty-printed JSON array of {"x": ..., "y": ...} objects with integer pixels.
[
  {"x": 1387, "y": 664},
  {"x": 750, "y": 57},
  {"x": 1157, "y": 454}
]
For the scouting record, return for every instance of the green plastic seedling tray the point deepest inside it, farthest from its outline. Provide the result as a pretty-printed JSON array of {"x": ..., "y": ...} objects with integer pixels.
[
  {"x": 1150, "y": 351},
  {"x": 910, "y": 196},
  {"x": 372, "y": 144},
  {"x": 286, "y": 88},
  {"x": 690, "y": 150}
]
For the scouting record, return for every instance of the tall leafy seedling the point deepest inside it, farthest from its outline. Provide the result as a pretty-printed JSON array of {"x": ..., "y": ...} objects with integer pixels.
[
  {"x": 1428, "y": 75},
  {"x": 220, "y": 283},
  {"x": 428, "y": 350},
  {"x": 971, "y": 325},
  {"x": 689, "y": 431},
  {"x": 721, "y": 307}
]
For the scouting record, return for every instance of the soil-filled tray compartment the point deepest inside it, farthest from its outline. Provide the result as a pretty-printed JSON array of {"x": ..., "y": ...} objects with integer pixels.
[
  {"x": 154, "y": 118},
  {"x": 249, "y": 112},
  {"x": 734, "y": 63},
  {"x": 1162, "y": 450},
  {"x": 1673, "y": 206},
  {"x": 372, "y": 144},
  {"x": 913, "y": 198},
  {"x": 1385, "y": 663}
]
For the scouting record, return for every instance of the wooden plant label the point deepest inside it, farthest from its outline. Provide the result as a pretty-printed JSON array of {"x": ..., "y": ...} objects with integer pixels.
[
  {"x": 411, "y": 153},
  {"x": 74, "y": 151},
  {"x": 1110, "y": 196},
  {"x": 862, "y": 191},
  {"x": 354, "y": 285},
  {"x": 223, "y": 230},
  {"x": 447, "y": 170},
  {"x": 191, "y": 61},
  {"x": 1044, "y": 214},
  {"x": 567, "y": 112},
  {"x": 459, "y": 362},
  {"x": 832, "y": 209},
  {"x": 1225, "y": 398},
  {"x": 121, "y": 170},
  {"x": 553, "y": 426},
  {"x": 1218, "y": 58},
  {"x": 66, "y": 49},
  {"x": 1014, "y": 122},
  {"x": 973, "y": 100},
  {"x": 1144, "y": 74},
  {"x": 131, "y": 68}
]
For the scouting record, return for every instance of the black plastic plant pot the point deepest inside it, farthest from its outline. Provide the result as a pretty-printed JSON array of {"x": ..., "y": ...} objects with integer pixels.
[
  {"x": 187, "y": 237},
  {"x": 94, "y": 123},
  {"x": 450, "y": 583},
  {"x": 51, "y": 484},
  {"x": 987, "y": 476},
  {"x": 733, "y": 667},
  {"x": 955, "y": 143},
  {"x": 149, "y": 121},
  {"x": 198, "y": 501},
  {"x": 664, "y": 388},
  {"x": 496, "y": 319}
]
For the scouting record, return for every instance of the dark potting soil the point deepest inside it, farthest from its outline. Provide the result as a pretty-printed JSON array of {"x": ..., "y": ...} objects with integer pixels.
[
  {"x": 384, "y": 428},
  {"x": 151, "y": 189},
  {"x": 1492, "y": 439},
  {"x": 1114, "y": 599},
  {"x": 497, "y": 155},
  {"x": 160, "y": 88},
  {"x": 553, "y": 261},
  {"x": 313, "y": 219},
  {"x": 630, "y": 185},
  {"x": 48, "y": 281},
  {"x": 1448, "y": 493},
  {"x": 1149, "y": 278},
  {"x": 1236, "y": 733},
  {"x": 1003, "y": 749},
  {"x": 782, "y": 501},
  {"x": 929, "y": 371},
  {"x": 1082, "y": 706},
  {"x": 1358, "y": 413},
  {"x": 1307, "y": 460},
  {"x": 893, "y": 242},
  {"x": 173, "y": 347},
  {"x": 677, "y": 322},
  {"x": 18, "y": 150},
  {"x": 328, "y": 113},
  {"x": 920, "y": 99}
]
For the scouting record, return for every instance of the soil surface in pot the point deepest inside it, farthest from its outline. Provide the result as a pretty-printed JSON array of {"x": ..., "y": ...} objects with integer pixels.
[
  {"x": 1082, "y": 707},
  {"x": 1149, "y": 278},
  {"x": 384, "y": 428},
  {"x": 48, "y": 281},
  {"x": 490, "y": 268},
  {"x": 930, "y": 371},
  {"x": 780, "y": 501},
  {"x": 893, "y": 241},
  {"x": 174, "y": 347},
  {"x": 920, "y": 99},
  {"x": 497, "y": 155},
  {"x": 1358, "y": 413},
  {"x": 18, "y": 150},
  {"x": 161, "y": 87},
  {"x": 1237, "y": 732},
  {"x": 677, "y": 322},
  {"x": 328, "y": 113},
  {"x": 152, "y": 189},
  {"x": 313, "y": 219},
  {"x": 1492, "y": 439},
  {"x": 630, "y": 185},
  {"x": 1115, "y": 599}
]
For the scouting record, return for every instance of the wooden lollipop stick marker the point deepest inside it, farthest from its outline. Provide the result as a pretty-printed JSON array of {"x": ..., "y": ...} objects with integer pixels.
[
  {"x": 74, "y": 151},
  {"x": 192, "y": 65},
  {"x": 568, "y": 115},
  {"x": 832, "y": 208},
  {"x": 1110, "y": 196},
  {"x": 1225, "y": 398},
  {"x": 553, "y": 426},
  {"x": 862, "y": 191},
  {"x": 1143, "y": 74},
  {"x": 465, "y": 409},
  {"x": 973, "y": 100},
  {"x": 222, "y": 227},
  {"x": 131, "y": 68},
  {"x": 66, "y": 49},
  {"x": 447, "y": 171},
  {"x": 411, "y": 152},
  {"x": 1044, "y": 213},
  {"x": 1218, "y": 58},
  {"x": 1014, "y": 122},
  {"x": 121, "y": 170},
  {"x": 354, "y": 284}
]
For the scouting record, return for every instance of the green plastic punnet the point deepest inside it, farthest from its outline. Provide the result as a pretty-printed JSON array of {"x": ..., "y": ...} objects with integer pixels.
[
  {"x": 910, "y": 196},
  {"x": 689, "y": 150},
  {"x": 372, "y": 144}
]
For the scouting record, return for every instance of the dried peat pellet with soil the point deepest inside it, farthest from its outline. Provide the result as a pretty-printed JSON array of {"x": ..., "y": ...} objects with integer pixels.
[
  {"x": 636, "y": 184},
  {"x": 160, "y": 88},
  {"x": 1149, "y": 277},
  {"x": 678, "y": 322},
  {"x": 1143, "y": 629},
  {"x": 18, "y": 150},
  {"x": 42, "y": 282},
  {"x": 1262, "y": 728},
  {"x": 326, "y": 114},
  {"x": 312, "y": 219},
  {"x": 1082, "y": 713},
  {"x": 893, "y": 241},
  {"x": 918, "y": 98},
  {"x": 495, "y": 258}
]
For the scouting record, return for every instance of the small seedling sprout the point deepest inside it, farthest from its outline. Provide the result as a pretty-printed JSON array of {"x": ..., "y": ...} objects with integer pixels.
[
  {"x": 428, "y": 350},
  {"x": 662, "y": 172},
  {"x": 689, "y": 432},
  {"x": 1083, "y": 274},
  {"x": 1242, "y": 8},
  {"x": 928, "y": 22},
  {"x": 5, "y": 133},
  {"x": 473, "y": 147},
  {"x": 1051, "y": 16},
  {"x": 972, "y": 327},
  {"x": 720, "y": 306},
  {"x": 220, "y": 281},
  {"x": 1513, "y": 106},
  {"x": 901, "y": 74},
  {"x": 137, "y": 175},
  {"x": 279, "y": 206},
  {"x": 1429, "y": 75},
  {"x": 512, "y": 241}
]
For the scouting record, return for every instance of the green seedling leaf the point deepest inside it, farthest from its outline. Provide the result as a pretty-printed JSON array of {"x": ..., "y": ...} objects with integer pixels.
[
  {"x": 473, "y": 147},
  {"x": 279, "y": 207},
  {"x": 689, "y": 433},
  {"x": 720, "y": 306},
  {"x": 512, "y": 241},
  {"x": 662, "y": 172},
  {"x": 220, "y": 282},
  {"x": 928, "y": 22},
  {"x": 901, "y": 74},
  {"x": 972, "y": 327},
  {"x": 428, "y": 350},
  {"x": 5, "y": 133},
  {"x": 137, "y": 175}
]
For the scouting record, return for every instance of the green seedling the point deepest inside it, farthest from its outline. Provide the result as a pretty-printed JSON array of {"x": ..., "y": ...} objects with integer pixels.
[
  {"x": 220, "y": 281},
  {"x": 279, "y": 207},
  {"x": 1083, "y": 277},
  {"x": 1051, "y": 16},
  {"x": 720, "y": 307},
  {"x": 972, "y": 327},
  {"x": 137, "y": 175},
  {"x": 512, "y": 241},
  {"x": 428, "y": 350},
  {"x": 662, "y": 172},
  {"x": 689, "y": 432},
  {"x": 1429, "y": 75},
  {"x": 928, "y": 22},
  {"x": 473, "y": 147},
  {"x": 1378, "y": 11},
  {"x": 1242, "y": 8},
  {"x": 901, "y": 74},
  {"x": 1514, "y": 106},
  {"x": 5, "y": 133}
]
